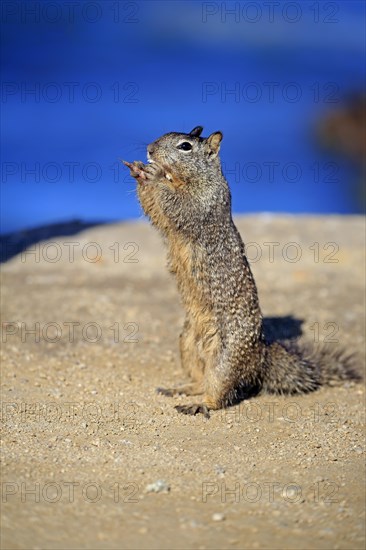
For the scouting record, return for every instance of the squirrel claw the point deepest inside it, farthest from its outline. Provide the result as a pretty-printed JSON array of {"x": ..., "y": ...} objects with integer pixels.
[
  {"x": 136, "y": 169},
  {"x": 193, "y": 409}
]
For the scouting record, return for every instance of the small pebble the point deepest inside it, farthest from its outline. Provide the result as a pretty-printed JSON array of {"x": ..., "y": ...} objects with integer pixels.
[
  {"x": 159, "y": 486},
  {"x": 219, "y": 469},
  {"x": 218, "y": 517}
]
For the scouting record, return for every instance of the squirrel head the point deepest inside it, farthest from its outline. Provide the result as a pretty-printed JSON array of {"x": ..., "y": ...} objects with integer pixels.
[
  {"x": 193, "y": 192},
  {"x": 189, "y": 158}
]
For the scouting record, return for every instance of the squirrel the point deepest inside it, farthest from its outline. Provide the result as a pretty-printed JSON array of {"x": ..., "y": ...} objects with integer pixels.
[{"x": 223, "y": 349}]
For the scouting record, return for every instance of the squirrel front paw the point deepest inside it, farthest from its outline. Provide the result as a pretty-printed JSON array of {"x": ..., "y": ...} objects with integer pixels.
[
  {"x": 137, "y": 169},
  {"x": 154, "y": 172},
  {"x": 145, "y": 173}
]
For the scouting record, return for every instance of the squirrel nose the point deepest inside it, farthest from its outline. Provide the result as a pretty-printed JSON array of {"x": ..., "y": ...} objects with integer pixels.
[{"x": 150, "y": 148}]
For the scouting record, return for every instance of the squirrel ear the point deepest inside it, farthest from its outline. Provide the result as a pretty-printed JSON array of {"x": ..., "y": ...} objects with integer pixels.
[
  {"x": 197, "y": 131},
  {"x": 214, "y": 141}
]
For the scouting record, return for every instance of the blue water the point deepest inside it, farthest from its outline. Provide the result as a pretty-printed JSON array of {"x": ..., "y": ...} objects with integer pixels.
[{"x": 106, "y": 82}]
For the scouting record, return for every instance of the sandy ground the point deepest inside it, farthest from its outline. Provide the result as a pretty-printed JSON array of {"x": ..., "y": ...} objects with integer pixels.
[{"x": 93, "y": 458}]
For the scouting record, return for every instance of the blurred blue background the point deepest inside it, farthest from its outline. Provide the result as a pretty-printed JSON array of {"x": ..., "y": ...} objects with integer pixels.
[{"x": 86, "y": 83}]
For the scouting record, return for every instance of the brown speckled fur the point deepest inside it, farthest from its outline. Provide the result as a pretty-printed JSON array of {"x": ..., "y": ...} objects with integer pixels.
[{"x": 223, "y": 350}]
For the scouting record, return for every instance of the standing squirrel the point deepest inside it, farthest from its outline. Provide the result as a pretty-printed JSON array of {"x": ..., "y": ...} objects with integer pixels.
[{"x": 223, "y": 349}]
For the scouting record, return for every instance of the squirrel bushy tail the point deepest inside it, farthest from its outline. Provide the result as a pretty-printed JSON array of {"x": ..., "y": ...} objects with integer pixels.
[{"x": 291, "y": 369}]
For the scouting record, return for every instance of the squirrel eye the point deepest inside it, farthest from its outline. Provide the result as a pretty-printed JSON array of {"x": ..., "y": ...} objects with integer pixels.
[{"x": 185, "y": 146}]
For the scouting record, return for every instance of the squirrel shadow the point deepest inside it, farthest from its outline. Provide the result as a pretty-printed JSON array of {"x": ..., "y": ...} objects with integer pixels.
[
  {"x": 287, "y": 327},
  {"x": 275, "y": 329}
]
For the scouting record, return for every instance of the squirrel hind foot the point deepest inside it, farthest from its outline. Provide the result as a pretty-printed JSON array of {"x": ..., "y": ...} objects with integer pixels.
[
  {"x": 192, "y": 388},
  {"x": 194, "y": 409},
  {"x": 168, "y": 392}
]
